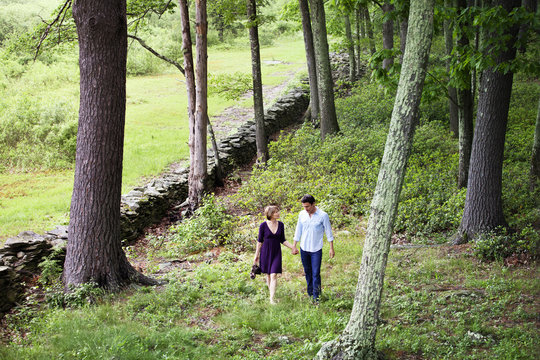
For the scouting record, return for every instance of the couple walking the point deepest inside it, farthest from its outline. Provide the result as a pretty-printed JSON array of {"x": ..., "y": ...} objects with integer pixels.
[{"x": 312, "y": 224}]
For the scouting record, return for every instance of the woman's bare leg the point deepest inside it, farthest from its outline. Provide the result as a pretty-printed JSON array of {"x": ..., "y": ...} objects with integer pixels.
[{"x": 272, "y": 287}]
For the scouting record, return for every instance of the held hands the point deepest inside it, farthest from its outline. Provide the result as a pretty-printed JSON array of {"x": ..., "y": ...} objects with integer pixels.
[{"x": 294, "y": 250}]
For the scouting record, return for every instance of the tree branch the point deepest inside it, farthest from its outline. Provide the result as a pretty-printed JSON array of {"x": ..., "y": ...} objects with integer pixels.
[
  {"x": 155, "y": 53},
  {"x": 60, "y": 17}
]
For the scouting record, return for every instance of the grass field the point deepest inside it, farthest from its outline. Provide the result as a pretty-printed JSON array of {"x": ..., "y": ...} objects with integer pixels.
[
  {"x": 438, "y": 303},
  {"x": 156, "y": 132}
]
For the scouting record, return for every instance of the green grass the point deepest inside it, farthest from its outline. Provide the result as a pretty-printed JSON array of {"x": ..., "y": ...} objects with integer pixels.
[
  {"x": 438, "y": 303},
  {"x": 156, "y": 130}
]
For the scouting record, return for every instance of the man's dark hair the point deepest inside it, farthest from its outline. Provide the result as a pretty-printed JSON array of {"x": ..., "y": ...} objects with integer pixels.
[{"x": 308, "y": 199}]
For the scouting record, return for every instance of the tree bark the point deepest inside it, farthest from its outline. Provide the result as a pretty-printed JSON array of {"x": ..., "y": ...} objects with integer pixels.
[
  {"x": 465, "y": 110},
  {"x": 483, "y": 204},
  {"x": 260, "y": 133},
  {"x": 198, "y": 167},
  {"x": 310, "y": 59},
  {"x": 403, "y": 25},
  {"x": 452, "y": 95},
  {"x": 94, "y": 251},
  {"x": 369, "y": 28},
  {"x": 360, "y": 34},
  {"x": 358, "y": 339},
  {"x": 535, "y": 157},
  {"x": 388, "y": 34},
  {"x": 329, "y": 124},
  {"x": 350, "y": 48}
]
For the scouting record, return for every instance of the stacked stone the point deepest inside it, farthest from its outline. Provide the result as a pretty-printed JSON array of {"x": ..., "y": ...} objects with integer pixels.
[
  {"x": 19, "y": 259},
  {"x": 144, "y": 205}
]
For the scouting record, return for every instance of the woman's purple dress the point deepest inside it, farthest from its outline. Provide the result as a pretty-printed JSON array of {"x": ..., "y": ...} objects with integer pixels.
[{"x": 271, "y": 248}]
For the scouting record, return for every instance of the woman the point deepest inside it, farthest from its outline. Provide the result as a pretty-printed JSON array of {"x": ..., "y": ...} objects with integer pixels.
[{"x": 271, "y": 236}]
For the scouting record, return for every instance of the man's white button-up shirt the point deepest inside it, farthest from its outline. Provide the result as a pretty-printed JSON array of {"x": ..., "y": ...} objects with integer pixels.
[{"x": 311, "y": 229}]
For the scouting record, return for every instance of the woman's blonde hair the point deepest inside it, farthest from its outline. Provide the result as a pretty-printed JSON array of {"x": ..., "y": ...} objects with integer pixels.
[{"x": 270, "y": 210}]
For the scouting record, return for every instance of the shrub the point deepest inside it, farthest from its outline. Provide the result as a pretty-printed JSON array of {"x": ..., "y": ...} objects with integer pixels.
[
  {"x": 209, "y": 226},
  {"x": 500, "y": 243}
]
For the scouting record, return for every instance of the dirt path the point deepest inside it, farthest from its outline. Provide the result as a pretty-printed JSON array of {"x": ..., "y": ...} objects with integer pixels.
[{"x": 232, "y": 117}]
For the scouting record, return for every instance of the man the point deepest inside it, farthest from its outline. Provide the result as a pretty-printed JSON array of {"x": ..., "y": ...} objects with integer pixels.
[{"x": 312, "y": 224}]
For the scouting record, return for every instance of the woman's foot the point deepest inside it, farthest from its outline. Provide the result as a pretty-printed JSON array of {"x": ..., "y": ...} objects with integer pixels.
[{"x": 273, "y": 302}]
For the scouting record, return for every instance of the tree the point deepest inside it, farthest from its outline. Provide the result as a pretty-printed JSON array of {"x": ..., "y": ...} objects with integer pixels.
[
  {"x": 535, "y": 157},
  {"x": 369, "y": 28},
  {"x": 350, "y": 47},
  {"x": 329, "y": 124},
  {"x": 310, "y": 59},
  {"x": 483, "y": 203},
  {"x": 260, "y": 133},
  {"x": 464, "y": 98},
  {"x": 358, "y": 339},
  {"x": 94, "y": 251},
  {"x": 198, "y": 172},
  {"x": 449, "y": 45},
  {"x": 388, "y": 33}
]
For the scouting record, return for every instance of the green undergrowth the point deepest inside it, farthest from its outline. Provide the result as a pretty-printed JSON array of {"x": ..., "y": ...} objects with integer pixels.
[
  {"x": 342, "y": 171},
  {"x": 438, "y": 303}
]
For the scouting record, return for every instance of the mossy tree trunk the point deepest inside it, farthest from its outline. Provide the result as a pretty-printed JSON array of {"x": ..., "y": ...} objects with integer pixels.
[
  {"x": 260, "y": 133},
  {"x": 94, "y": 251},
  {"x": 483, "y": 204},
  {"x": 358, "y": 339},
  {"x": 310, "y": 59},
  {"x": 329, "y": 124}
]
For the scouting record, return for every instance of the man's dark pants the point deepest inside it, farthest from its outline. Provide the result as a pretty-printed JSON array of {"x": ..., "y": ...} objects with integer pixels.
[{"x": 312, "y": 268}]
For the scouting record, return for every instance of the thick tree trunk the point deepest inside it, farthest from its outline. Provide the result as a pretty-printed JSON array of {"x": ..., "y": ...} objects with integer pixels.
[
  {"x": 329, "y": 124},
  {"x": 535, "y": 157},
  {"x": 483, "y": 203},
  {"x": 452, "y": 95},
  {"x": 369, "y": 28},
  {"x": 388, "y": 34},
  {"x": 94, "y": 251},
  {"x": 465, "y": 112},
  {"x": 311, "y": 64},
  {"x": 198, "y": 166},
  {"x": 358, "y": 339},
  {"x": 350, "y": 48},
  {"x": 260, "y": 133}
]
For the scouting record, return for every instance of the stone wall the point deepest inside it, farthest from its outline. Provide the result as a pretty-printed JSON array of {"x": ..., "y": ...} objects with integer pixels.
[{"x": 145, "y": 205}]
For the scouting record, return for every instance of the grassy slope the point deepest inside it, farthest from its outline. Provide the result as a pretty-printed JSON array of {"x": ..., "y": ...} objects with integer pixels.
[
  {"x": 156, "y": 134},
  {"x": 438, "y": 303}
]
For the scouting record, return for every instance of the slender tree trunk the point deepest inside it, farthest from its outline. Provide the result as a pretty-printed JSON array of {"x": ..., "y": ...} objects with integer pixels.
[
  {"x": 360, "y": 34},
  {"x": 483, "y": 204},
  {"x": 465, "y": 112},
  {"x": 452, "y": 95},
  {"x": 388, "y": 34},
  {"x": 311, "y": 64},
  {"x": 403, "y": 25},
  {"x": 329, "y": 124},
  {"x": 94, "y": 251},
  {"x": 358, "y": 339},
  {"x": 369, "y": 28},
  {"x": 350, "y": 48},
  {"x": 535, "y": 157},
  {"x": 260, "y": 134},
  {"x": 187, "y": 49},
  {"x": 198, "y": 166}
]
